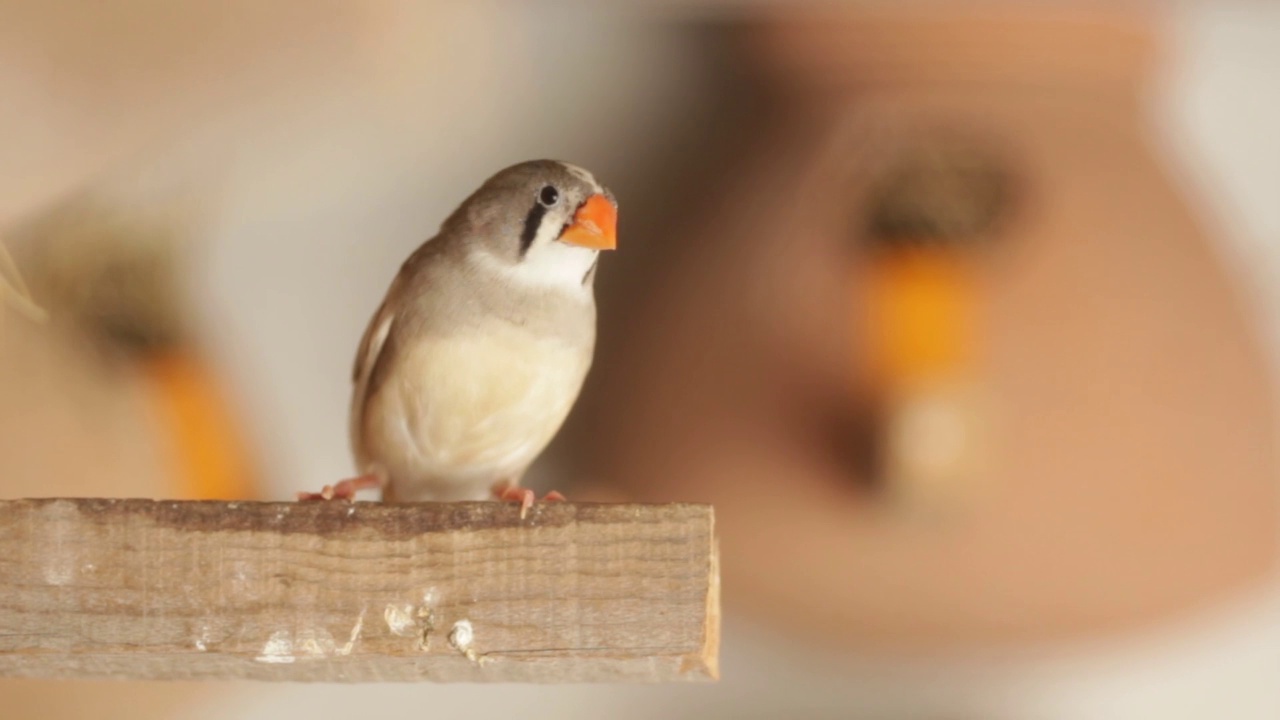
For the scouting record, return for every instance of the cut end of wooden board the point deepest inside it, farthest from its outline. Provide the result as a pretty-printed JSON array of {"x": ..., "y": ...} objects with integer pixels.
[{"x": 363, "y": 592}]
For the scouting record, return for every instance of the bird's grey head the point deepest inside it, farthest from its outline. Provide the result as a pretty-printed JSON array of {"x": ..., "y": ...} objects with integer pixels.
[{"x": 540, "y": 222}]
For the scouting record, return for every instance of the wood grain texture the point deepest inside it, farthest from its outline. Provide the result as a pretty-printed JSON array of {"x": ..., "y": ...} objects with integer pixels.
[{"x": 360, "y": 592}]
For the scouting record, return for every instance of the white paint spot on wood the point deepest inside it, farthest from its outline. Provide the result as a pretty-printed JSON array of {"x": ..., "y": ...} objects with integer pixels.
[
  {"x": 462, "y": 638},
  {"x": 205, "y": 637},
  {"x": 355, "y": 634},
  {"x": 410, "y": 621},
  {"x": 314, "y": 643},
  {"x": 308, "y": 644},
  {"x": 400, "y": 620},
  {"x": 278, "y": 649}
]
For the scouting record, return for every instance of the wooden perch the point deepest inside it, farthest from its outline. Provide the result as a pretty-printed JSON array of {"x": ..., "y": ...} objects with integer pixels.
[{"x": 362, "y": 592}]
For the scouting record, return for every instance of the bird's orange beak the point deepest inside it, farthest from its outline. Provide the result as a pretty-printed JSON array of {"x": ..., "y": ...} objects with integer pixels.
[{"x": 595, "y": 225}]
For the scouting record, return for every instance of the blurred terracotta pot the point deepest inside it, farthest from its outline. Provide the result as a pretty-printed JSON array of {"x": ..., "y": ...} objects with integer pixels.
[{"x": 1131, "y": 474}]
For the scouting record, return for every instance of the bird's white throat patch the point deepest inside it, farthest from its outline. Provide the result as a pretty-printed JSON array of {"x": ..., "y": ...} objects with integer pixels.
[{"x": 550, "y": 265}]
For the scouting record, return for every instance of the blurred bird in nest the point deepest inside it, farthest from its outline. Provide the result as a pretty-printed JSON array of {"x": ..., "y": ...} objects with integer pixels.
[
  {"x": 928, "y": 228},
  {"x": 108, "y": 276}
]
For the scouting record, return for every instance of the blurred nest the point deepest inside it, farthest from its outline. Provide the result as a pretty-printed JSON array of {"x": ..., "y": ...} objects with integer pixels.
[{"x": 939, "y": 189}]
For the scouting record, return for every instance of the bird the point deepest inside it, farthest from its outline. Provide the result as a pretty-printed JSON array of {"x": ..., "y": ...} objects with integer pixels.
[{"x": 478, "y": 351}]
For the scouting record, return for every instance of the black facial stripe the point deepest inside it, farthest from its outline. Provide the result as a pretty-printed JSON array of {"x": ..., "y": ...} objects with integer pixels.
[
  {"x": 532, "y": 222},
  {"x": 569, "y": 222}
]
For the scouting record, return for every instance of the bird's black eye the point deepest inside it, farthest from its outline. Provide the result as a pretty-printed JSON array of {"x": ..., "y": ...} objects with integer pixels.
[{"x": 549, "y": 195}]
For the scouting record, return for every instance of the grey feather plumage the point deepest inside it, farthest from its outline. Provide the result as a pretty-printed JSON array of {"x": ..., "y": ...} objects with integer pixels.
[{"x": 475, "y": 356}]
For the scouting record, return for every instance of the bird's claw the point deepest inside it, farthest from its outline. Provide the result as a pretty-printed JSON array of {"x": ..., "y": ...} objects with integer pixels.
[
  {"x": 507, "y": 492},
  {"x": 344, "y": 490}
]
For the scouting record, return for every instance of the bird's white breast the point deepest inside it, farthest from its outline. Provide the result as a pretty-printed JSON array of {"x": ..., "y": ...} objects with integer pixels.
[{"x": 460, "y": 412}]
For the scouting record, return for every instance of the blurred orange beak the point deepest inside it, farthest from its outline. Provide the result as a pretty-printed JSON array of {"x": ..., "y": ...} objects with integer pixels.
[{"x": 595, "y": 225}]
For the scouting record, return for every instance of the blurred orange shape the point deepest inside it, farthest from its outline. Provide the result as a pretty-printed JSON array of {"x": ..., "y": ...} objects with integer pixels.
[
  {"x": 208, "y": 450},
  {"x": 921, "y": 307}
]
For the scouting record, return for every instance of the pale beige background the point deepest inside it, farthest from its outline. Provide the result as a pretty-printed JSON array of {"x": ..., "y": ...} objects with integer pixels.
[{"x": 324, "y": 147}]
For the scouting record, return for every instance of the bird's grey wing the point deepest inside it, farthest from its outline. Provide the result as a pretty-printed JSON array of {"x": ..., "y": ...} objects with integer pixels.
[
  {"x": 377, "y": 344},
  {"x": 375, "y": 336},
  {"x": 371, "y": 348},
  {"x": 374, "y": 342}
]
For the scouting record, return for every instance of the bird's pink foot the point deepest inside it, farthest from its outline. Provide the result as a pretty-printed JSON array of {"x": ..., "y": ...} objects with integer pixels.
[
  {"x": 508, "y": 492},
  {"x": 511, "y": 493},
  {"x": 344, "y": 490}
]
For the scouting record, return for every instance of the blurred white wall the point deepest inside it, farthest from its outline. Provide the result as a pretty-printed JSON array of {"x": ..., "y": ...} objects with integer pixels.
[{"x": 313, "y": 234}]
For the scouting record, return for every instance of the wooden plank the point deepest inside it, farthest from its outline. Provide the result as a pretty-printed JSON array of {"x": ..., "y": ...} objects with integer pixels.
[{"x": 339, "y": 592}]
